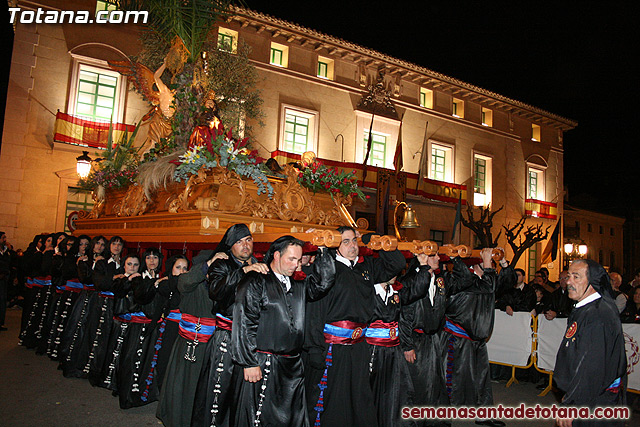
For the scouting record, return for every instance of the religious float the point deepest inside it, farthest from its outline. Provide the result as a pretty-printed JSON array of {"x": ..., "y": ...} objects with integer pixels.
[{"x": 191, "y": 178}]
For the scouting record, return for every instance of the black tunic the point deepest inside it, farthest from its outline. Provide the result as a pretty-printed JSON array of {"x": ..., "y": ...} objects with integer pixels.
[
  {"x": 591, "y": 357},
  {"x": 34, "y": 334},
  {"x": 181, "y": 378},
  {"x": 169, "y": 290},
  {"x": 421, "y": 326},
  {"x": 72, "y": 287},
  {"x": 77, "y": 336},
  {"x": 390, "y": 377},
  {"x": 101, "y": 318},
  {"x": 471, "y": 306},
  {"x": 347, "y": 398},
  {"x": 135, "y": 376},
  {"x": 268, "y": 331},
  {"x": 219, "y": 380}
]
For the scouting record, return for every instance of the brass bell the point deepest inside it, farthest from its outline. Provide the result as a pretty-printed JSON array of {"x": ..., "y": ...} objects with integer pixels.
[{"x": 409, "y": 219}]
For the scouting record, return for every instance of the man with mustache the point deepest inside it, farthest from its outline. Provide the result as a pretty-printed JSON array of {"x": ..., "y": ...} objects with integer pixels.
[{"x": 591, "y": 364}]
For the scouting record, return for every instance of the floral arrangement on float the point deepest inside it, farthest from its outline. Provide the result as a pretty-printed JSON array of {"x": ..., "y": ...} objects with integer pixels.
[
  {"x": 316, "y": 177},
  {"x": 118, "y": 166},
  {"x": 211, "y": 146}
]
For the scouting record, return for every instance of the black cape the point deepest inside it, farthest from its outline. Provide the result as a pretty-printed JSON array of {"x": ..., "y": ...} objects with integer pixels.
[{"x": 591, "y": 357}]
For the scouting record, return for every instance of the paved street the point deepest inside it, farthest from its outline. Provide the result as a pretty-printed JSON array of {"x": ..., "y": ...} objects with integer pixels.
[{"x": 34, "y": 393}]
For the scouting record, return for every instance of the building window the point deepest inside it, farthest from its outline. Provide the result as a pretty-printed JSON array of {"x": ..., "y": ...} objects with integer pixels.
[
  {"x": 279, "y": 55},
  {"x": 535, "y": 132},
  {"x": 589, "y": 228},
  {"x": 441, "y": 163},
  {"x": 487, "y": 117},
  {"x": 426, "y": 98},
  {"x": 77, "y": 200},
  {"x": 601, "y": 257},
  {"x": 612, "y": 259},
  {"x": 601, "y": 229},
  {"x": 458, "y": 108},
  {"x": 96, "y": 93},
  {"x": 437, "y": 236},
  {"x": 227, "y": 40},
  {"x": 535, "y": 184},
  {"x": 298, "y": 130},
  {"x": 612, "y": 232},
  {"x": 377, "y": 155},
  {"x": 103, "y": 5},
  {"x": 482, "y": 180},
  {"x": 325, "y": 68},
  {"x": 533, "y": 261},
  {"x": 480, "y": 175}
]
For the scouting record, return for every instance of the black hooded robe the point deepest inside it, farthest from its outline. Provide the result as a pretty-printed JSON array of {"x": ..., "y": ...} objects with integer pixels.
[
  {"x": 391, "y": 381},
  {"x": 469, "y": 322},
  {"x": 337, "y": 379},
  {"x": 591, "y": 365},
  {"x": 268, "y": 332},
  {"x": 421, "y": 326},
  {"x": 217, "y": 385},
  {"x": 179, "y": 385}
]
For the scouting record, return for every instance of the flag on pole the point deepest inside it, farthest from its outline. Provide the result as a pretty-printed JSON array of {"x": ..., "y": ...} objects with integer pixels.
[
  {"x": 397, "y": 157},
  {"x": 424, "y": 157},
  {"x": 458, "y": 217},
  {"x": 550, "y": 252},
  {"x": 369, "y": 144}
]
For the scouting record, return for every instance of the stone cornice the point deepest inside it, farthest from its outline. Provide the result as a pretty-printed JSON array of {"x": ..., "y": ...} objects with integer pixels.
[{"x": 315, "y": 40}]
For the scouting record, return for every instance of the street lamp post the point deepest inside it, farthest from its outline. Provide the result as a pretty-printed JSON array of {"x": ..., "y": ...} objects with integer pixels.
[{"x": 574, "y": 250}]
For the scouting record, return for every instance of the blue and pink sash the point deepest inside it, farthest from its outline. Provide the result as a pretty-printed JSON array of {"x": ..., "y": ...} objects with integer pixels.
[
  {"x": 383, "y": 334},
  {"x": 136, "y": 317},
  {"x": 455, "y": 329},
  {"x": 195, "y": 328},
  {"x": 174, "y": 316},
  {"x": 223, "y": 322},
  {"x": 344, "y": 332}
]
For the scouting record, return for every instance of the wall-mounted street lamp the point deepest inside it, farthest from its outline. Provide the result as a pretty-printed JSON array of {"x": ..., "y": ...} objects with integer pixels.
[{"x": 83, "y": 164}]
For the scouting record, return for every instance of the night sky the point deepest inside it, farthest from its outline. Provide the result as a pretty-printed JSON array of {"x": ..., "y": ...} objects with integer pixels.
[{"x": 572, "y": 59}]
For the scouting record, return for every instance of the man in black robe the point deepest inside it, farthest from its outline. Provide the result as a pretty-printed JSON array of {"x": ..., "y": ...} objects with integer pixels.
[
  {"x": 591, "y": 364},
  {"x": 186, "y": 383},
  {"x": 469, "y": 322},
  {"x": 214, "y": 398},
  {"x": 268, "y": 334},
  {"x": 421, "y": 339},
  {"x": 337, "y": 378}
]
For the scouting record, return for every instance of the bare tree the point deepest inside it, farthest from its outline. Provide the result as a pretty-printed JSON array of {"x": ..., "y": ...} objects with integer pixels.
[
  {"x": 532, "y": 235},
  {"x": 482, "y": 226}
]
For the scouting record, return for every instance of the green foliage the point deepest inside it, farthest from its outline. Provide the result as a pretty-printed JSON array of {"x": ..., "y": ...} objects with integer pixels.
[
  {"x": 191, "y": 20},
  {"x": 119, "y": 164},
  {"x": 318, "y": 177},
  {"x": 162, "y": 148}
]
